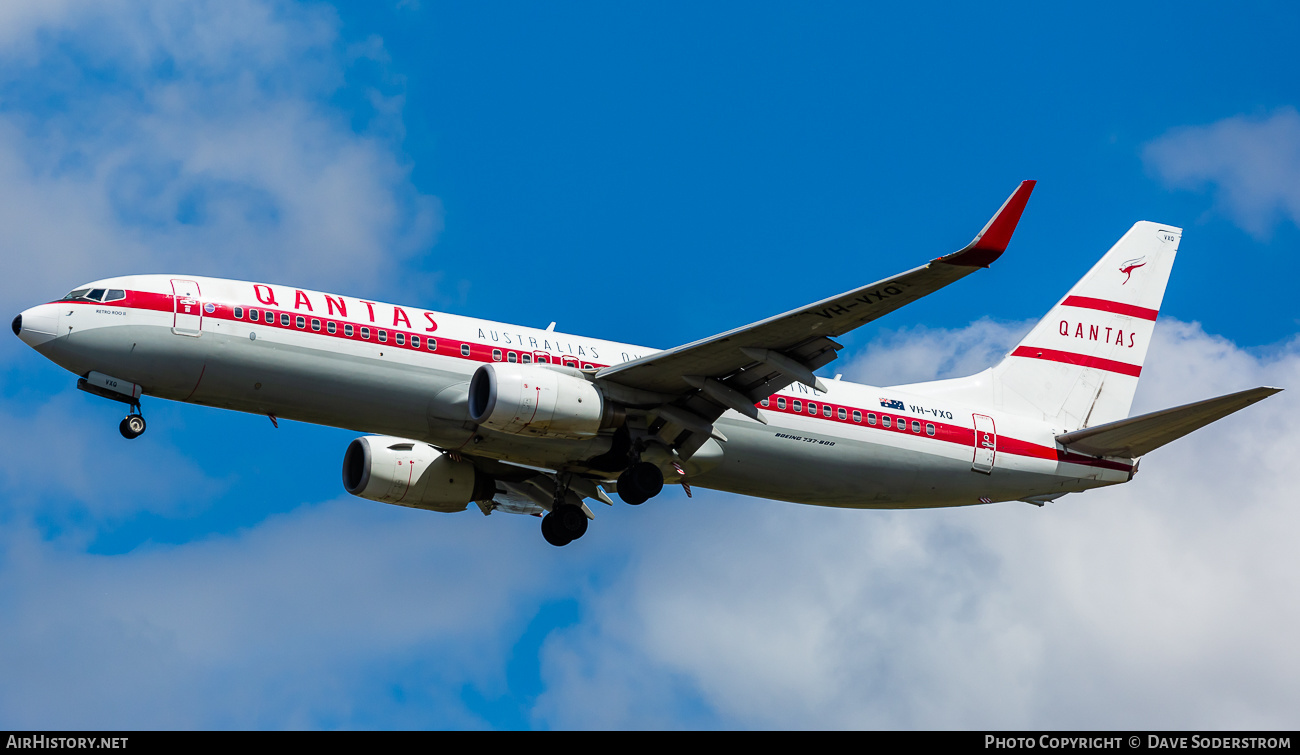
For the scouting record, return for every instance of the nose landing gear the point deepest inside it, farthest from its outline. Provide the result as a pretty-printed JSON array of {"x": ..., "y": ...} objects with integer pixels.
[
  {"x": 117, "y": 389},
  {"x": 132, "y": 426}
]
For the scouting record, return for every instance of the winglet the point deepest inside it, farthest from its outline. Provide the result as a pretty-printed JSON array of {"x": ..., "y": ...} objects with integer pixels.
[{"x": 991, "y": 242}]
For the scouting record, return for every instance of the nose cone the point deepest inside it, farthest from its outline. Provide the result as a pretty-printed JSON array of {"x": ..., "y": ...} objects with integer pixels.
[{"x": 37, "y": 325}]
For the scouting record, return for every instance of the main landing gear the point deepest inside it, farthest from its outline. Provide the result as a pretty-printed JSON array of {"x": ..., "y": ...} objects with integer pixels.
[
  {"x": 567, "y": 519},
  {"x": 640, "y": 482},
  {"x": 132, "y": 426},
  {"x": 564, "y": 524}
]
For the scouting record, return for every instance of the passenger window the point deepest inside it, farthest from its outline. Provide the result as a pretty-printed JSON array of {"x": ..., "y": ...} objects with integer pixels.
[
  {"x": 347, "y": 329},
  {"x": 765, "y": 401},
  {"x": 826, "y": 410},
  {"x": 365, "y": 333},
  {"x": 929, "y": 429},
  {"x": 916, "y": 426},
  {"x": 254, "y": 315},
  {"x": 300, "y": 321},
  {"x": 857, "y": 416},
  {"x": 383, "y": 335},
  {"x": 812, "y": 408},
  {"x": 496, "y": 355},
  {"x": 415, "y": 342},
  {"x": 400, "y": 339},
  {"x": 284, "y": 320},
  {"x": 886, "y": 421},
  {"x": 871, "y": 418},
  {"x": 543, "y": 359},
  {"x": 512, "y": 356},
  {"x": 239, "y": 313},
  {"x": 331, "y": 328},
  {"x": 843, "y": 413},
  {"x": 797, "y": 405},
  {"x": 780, "y": 402},
  {"x": 527, "y": 358},
  {"x": 588, "y": 366},
  {"x": 315, "y": 324},
  {"x": 464, "y": 349},
  {"x": 432, "y": 343}
]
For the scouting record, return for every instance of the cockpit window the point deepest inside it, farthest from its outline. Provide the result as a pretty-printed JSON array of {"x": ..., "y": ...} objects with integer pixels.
[{"x": 95, "y": 294}]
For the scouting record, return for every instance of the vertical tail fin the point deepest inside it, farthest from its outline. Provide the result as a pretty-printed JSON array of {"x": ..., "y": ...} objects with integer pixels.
[{"x": 1080, "y": 365}]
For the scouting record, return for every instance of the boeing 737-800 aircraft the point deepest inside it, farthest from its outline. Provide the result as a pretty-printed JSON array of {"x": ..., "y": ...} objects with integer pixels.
[{"x": 531, "y": 421}]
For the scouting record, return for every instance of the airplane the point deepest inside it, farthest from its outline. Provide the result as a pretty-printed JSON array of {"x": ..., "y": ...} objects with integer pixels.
[{"x": 514, "y": 419}]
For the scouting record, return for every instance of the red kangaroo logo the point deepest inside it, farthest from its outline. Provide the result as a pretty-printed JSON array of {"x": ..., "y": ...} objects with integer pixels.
[{"x": 1128, "y": 267}]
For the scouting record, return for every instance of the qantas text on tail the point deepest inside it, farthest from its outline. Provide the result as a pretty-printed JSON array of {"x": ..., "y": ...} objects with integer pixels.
[{"x": 531, "y": 421}]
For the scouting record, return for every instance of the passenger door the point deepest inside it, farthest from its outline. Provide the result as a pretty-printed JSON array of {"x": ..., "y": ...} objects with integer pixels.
[
  {"x": 187, "y": 308},
  {"x": 986, "y": 444}
]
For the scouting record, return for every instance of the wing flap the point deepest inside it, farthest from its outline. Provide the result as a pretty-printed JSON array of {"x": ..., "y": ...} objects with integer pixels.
[{"x": 1138, "y": 436}]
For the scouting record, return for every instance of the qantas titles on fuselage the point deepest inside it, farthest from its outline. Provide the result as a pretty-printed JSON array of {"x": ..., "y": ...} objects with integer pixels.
[
  {"x": 334, "y": 305},
  {"x": 532, "y": 421}
]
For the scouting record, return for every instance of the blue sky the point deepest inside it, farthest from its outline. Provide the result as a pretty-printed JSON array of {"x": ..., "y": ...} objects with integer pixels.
[{"x": 650, "y": 174}]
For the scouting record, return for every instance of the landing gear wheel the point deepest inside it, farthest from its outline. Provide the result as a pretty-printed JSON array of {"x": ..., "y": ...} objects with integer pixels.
[
  {"x": 132, "y": 426},
  {"x": 554, "y": 532},
  {"x": 640, "y": 482},
  {"x": 572, "y": 521}
]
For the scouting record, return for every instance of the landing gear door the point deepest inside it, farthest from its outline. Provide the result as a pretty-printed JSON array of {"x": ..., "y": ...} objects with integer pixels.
[
  {"x": 986, "y": 444},
  {"x": 187, "y": 308}
]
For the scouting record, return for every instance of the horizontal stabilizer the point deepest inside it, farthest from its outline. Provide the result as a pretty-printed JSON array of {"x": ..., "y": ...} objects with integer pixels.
[{"x": 1138, "y": 436}]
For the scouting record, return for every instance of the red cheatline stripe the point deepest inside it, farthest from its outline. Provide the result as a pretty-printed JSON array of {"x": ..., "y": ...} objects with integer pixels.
[
  {"x": 1083, "y": 360},
  {"x": 1087, "y": 302}
]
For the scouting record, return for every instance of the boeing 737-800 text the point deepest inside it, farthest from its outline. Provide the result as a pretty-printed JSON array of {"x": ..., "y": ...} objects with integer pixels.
[{"x": 536, "y": 422}]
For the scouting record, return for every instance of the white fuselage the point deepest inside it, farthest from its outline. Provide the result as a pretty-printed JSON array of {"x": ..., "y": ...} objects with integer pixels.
[{"x": 403, "y": 371}]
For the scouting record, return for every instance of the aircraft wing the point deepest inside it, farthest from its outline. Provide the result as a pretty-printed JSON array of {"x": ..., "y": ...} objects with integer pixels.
[{"x": 736, "y": 369}]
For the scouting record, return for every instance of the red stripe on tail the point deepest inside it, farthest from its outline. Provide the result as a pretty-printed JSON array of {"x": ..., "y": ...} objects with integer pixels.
[
  {"x": 1083, "y": 360},
  {"x": 1105, "y": 305}
]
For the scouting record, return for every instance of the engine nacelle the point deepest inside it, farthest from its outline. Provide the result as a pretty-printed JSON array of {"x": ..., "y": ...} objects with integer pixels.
[
  {"x": 529, "y": 399},
  {"x": 409, "y": 473}
]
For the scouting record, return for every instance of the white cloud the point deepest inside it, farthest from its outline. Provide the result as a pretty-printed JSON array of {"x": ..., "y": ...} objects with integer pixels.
[
  {"x": 1164, "y": 603},
  {"x": 307, "y": 620},
  {"x": 909, "y": 355},
  {"x": 1250, "y": 162},
  {"x": 198, "y": 138}
]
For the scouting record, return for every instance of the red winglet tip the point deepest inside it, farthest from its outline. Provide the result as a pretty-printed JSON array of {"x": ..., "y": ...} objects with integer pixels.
[
  {"x": 991, "y": 242},
  {"x": 997, "y": 234}
]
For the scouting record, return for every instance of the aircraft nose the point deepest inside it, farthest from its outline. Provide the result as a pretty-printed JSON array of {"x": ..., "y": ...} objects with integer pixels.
[{"x": 37, "y": 325}]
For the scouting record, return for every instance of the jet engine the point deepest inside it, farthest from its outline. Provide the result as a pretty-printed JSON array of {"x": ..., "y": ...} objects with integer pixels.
[
  {"x": 524, "y": 399},
  {"x": 409, "y": 473}
]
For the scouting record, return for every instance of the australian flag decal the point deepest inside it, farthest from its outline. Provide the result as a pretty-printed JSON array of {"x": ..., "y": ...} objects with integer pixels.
[{"x": 886, "y": 403}]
